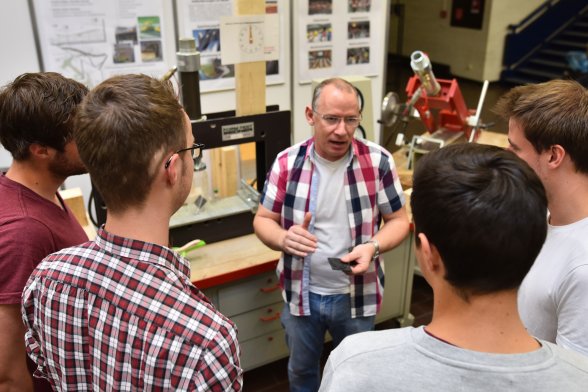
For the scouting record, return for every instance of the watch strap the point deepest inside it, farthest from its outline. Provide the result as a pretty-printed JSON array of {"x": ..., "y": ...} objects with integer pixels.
[{"x": 376, "y": 245}]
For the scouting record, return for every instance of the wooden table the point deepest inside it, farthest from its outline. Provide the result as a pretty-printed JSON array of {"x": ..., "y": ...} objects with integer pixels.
[
  {"x": 230, "y": 260},
  {"x": 401, "y": 155}
]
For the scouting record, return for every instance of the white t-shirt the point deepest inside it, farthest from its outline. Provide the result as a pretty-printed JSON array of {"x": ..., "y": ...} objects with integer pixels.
[
  {"x": 553, "y": 298},
  {"x": 331, "y": 227}
]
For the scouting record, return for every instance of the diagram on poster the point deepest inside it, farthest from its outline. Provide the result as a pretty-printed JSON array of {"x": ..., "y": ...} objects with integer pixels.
[
  {"x": 327, "y": 48},
  {"x": 92, "y": 40}
]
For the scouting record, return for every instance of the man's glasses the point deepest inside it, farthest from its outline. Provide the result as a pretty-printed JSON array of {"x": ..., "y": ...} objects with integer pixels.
[
  {"x": 196, "y": 154},
  {"x": 333, "y": 121}
]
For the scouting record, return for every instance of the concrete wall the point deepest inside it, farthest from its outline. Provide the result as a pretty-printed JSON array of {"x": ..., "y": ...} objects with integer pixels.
[
  {"x": 472, "y": 54},
  {"x": 502, "y": 13}
]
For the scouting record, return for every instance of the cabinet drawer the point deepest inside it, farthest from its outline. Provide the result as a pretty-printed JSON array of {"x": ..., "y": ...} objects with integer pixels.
[
  {"x": 250, "y": 294},
  {"x": 263, "y": 349},
  {"x": 259, "y": 321}
]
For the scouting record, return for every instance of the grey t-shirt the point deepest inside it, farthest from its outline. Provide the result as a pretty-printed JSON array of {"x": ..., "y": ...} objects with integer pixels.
[
  {"x": 408, "y": 359},
  {"x": 331, "y": 227}
]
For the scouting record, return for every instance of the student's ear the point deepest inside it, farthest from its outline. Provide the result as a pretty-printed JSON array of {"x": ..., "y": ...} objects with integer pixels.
[
  {"x": 309, "y": 114},
  {"x": 556, "y": 155},
  {"x": 430, "y": 258},
  {"x": 173, "y": 170},
  {"x": 39, "y": 151}
]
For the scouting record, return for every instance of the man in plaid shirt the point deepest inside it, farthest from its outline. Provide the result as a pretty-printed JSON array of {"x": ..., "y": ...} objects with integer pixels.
[
  {"x": 326, "y": 197},
  {"x": 120, "y": 313}
]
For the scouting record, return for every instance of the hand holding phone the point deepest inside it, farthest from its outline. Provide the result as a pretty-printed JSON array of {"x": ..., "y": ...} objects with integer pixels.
[{"x": 338, "y": 265}]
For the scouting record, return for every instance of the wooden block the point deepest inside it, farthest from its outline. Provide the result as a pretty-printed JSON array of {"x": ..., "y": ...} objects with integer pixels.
[
  {"x": 216, "y": 170},
  {"x": 249, "y": 7},
  {"x": 229, "y": 172},
  {"x": 74, "y": 199},
  {"x": 493, "y": 138},
  {"x": 250, "y": 87},
  {"x": 250, "y": 77}
]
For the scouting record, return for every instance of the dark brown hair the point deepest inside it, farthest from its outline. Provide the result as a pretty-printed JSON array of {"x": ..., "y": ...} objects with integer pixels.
[
  {"x": 38, "y": 108},
  {"x": 125, "y": 127}
]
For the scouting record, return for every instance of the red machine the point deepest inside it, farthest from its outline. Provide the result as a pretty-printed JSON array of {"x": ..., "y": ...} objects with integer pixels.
[{"x": 439, "y": 102}]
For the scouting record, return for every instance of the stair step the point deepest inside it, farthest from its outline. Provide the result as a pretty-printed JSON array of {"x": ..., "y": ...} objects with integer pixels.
[
  {"x": 537, "y": 72},
  {"x": 553, "y": 52},
  {"x": 572, "y": 44},
  {"x": 583, "y": 36},
  {"x": 519, "y": 80},
  {"x": 549, "y": 63}
]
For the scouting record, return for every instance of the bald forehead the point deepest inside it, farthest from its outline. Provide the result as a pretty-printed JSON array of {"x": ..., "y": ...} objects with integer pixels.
[{"x": 337, "y": 84}]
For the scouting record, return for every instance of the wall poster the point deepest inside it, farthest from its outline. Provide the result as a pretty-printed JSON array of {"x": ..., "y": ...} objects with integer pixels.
[
  {"x": 201, "y": 19},
  {"x": 91, "y": 40},
  {"x": 346, "y": 47}
]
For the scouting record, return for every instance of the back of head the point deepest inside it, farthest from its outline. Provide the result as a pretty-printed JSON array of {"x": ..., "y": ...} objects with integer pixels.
[
  {"x": 38, "y": 108},
  {"x": 124, "y": 129},
  {"x": 554, "y": 112},
  {"x": 484, "y": 209}
]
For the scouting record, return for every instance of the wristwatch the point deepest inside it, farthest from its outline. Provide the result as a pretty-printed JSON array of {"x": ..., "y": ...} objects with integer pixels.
[{"x": 376, "y": 245}]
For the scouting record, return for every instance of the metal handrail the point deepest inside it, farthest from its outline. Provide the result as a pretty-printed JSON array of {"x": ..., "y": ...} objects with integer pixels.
[{"x": 532, "y": 16}]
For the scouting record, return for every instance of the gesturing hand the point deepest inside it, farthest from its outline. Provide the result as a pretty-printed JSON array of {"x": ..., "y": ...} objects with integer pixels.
[
  {"x": 298, "y": 241},
  {"x": 362, "y": 255}
]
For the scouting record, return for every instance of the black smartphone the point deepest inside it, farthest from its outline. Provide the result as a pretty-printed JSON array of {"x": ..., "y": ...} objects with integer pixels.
[{"x": 338, "y": 265}]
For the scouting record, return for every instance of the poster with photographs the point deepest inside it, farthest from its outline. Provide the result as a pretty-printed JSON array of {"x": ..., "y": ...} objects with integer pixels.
[
  {"x": 201, "y": 19},
  {"x": 92, "y": 40},
  {"x": 329, "y": 47}
]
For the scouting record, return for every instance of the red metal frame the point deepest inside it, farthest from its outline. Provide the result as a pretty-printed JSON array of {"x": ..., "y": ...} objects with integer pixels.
[{"x": 450, "y": 108}]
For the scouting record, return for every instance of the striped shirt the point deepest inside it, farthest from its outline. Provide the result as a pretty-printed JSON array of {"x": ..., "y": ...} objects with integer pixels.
[
  {"x": 119, "y": 314},
  {"x": 372, "y": 188}
]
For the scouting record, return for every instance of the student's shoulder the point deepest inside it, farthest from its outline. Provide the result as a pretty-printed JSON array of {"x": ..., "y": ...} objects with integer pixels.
[
  {"x": 367, "y": 343},
  {"x": 576, "y": 362}
]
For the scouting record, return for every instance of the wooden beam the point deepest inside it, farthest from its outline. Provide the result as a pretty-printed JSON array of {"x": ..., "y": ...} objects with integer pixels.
[{"x": 250, "y": 77}]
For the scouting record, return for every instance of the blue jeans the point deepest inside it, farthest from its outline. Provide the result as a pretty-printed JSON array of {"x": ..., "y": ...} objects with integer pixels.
[{"x": 305, "y": 336}]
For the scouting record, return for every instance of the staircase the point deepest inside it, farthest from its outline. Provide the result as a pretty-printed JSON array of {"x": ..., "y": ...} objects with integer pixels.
[{"x": 536, "y": 50}]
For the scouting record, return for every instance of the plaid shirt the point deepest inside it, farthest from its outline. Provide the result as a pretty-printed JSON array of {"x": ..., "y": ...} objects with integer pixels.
[
  {"x": 372, "y": 187},
  {"x": 118, "y": 314}
]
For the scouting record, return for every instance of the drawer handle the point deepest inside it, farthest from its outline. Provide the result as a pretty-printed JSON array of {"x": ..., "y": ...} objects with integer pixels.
[
  {"x": 270, "y": 318},
  {"x": 270, "y": 289}
]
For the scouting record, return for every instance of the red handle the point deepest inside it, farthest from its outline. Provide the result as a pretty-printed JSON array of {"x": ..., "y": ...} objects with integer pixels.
[
  {"x": 270, "y": 318},
  {"x": 270, "y": 289}
]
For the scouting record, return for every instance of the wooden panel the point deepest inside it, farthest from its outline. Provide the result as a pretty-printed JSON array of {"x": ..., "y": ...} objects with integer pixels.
[
  {"x": 250, "y": 87},
  {"x": 250, "y": 77}
]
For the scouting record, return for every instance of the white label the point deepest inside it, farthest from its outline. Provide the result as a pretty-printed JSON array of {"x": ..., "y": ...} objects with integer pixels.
[{"x": 237, "y": 131}]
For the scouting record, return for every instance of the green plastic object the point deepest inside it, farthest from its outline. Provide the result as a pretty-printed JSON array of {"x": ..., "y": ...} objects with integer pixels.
[{"x": 189, "y": 247}]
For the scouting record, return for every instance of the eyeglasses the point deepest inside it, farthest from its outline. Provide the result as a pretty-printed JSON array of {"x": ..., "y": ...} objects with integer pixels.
[
  {"x": 196, "y": 153},
  {"x": 333, "y": 121}
]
